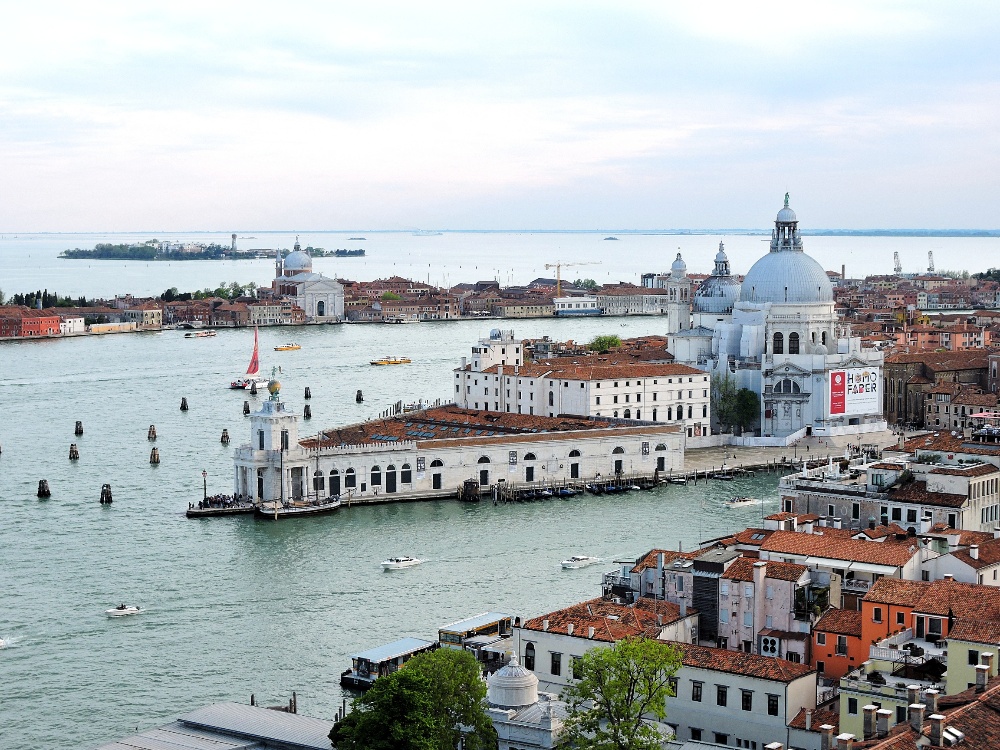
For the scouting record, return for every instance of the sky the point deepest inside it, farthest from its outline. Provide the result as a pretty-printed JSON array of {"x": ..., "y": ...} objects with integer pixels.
[{"x": 124, "y": 116}]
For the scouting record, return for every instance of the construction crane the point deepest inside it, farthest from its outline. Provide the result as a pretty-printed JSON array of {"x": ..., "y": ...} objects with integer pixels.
[
  {"x": 897, "y": 266},
  {"x": 560, "y": 265},
  {"x": 930, "y": 261}
]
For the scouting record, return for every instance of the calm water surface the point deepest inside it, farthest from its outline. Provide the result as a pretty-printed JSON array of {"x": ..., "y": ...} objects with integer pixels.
[{"x": 235, "y": 606}]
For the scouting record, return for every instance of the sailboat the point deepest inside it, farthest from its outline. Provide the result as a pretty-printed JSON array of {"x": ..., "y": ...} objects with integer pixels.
[{"x": 253, "y": 376}]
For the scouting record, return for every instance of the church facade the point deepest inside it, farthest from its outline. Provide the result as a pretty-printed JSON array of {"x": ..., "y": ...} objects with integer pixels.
[
  {"x": 777, "y": 334},
  {"x": 321, "y": 299}
]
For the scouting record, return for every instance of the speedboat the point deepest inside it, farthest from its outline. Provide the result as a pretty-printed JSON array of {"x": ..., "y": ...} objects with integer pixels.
[
  {"x": 122, "y": 610},
  {"x": 580, "y": 561},
  {"x": 740, "y": 501},
  {"x": 287, "y": 347},
  {"x": 199, "y": 335},
  {"x": 391, "y": 361},
  {"x": 397, "y": 563}
]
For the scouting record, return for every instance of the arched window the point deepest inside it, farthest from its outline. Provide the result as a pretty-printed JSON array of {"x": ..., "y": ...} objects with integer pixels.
[
  {"x": 787, "y": 386},
  {"x": 436, "y": 463},
  {"x": 320, "y": 308},
  {"x": 334, "y": 482},
  {"x": 619, "y": 449},
  {"x": 319, "y": 481},
  {"x": 793, "y": 343},
  {"x": 350, "y": 478},
  {"x": 529, "y": 656},
  {"x": 574, "y": 453},
  {"x": 779, "y": 344},
  {"x": 376, "y": 476},
  {"x": 551, "y": 398},
  {"x": 405, "y": 475},
  {"x": 660, "y": 447},
  {"x": 627, "y": 414},
  {"x": 484, "y": 459},
  {"x": 529, "y": 456},
  {"x": 823, "y": 338}
]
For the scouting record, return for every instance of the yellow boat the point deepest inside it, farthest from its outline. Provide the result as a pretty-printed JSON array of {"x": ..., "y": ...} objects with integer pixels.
[
  {"x": 287, "y": 348},
  {"x": 391, "y": 361}
]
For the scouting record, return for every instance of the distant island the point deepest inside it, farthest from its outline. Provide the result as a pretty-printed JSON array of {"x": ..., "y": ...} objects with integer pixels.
[{"x": 156, "y": 250}]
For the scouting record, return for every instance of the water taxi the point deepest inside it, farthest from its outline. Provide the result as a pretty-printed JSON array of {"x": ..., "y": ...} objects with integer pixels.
[
  {"x": 287, "y": 348},
  {"x": 391, "y": 361},
  {"x": 122, "y": 610},
  {"x": 739, "y": 502},
  {"x": 579, "y": 561},
  {"x": 199, "y": 334},
  {"x": 397, "y": 563}
]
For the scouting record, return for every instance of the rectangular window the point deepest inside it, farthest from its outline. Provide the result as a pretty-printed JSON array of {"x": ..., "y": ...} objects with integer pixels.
[
  {"x": 973, "y": 657},
  {"x": 900, "y": 618},
  {"x": 747, "y": 699},
  {"x": 284, "y": 440},
  {"x": 724, "y": 616},
  {"x": 855, "y": 511},
  {"x": 724, "y": 588},
  {"x": 876, "y": 614},
  {"x": 721, "y": 739},
  {"x": 897, "y": 514},
  {"x": 260, "y": 440},
  {"x": 769, "y": 592},
  {"x": 911, "y": 515},
  {"x": 556, "y": 663},
  {"x": 575, "y": 665},
  {"x": 769, "y": 622},
  {"x": 772, "y": 705},
  {"x": 721, "y": 692},
  {"x": 696, "y": 691},
  {"x": 852, "y": 706},
  {"x": 748, "y": 618},
  {"x": 695, "y": 734},
  {"x": 841, "y": 645},
  {"x": 821, "y": 639}
]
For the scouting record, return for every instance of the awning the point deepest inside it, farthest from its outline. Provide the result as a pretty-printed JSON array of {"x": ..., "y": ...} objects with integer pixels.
[
  {"x": 882, "y": 570},
  {"x": 827, "y": 562}
]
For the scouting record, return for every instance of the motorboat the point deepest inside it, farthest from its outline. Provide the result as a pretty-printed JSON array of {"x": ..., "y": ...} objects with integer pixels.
[
  {"x": 580, "y": 561},
  {"x": 199, "y": 334},
  {"x": 398, "y": 563},
  {"x": 122, "y": 610},
  {"x": 740, "y": 501},
  {"x": 677, "y": 480},
  {"x": 391, "y": 361},
  {"x": 287, "y": 348},
  {"x": 253, "y": 377}
]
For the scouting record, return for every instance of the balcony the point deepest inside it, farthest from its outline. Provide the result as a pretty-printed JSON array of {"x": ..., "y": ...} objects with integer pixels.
[{"x": 855, "y": 585}]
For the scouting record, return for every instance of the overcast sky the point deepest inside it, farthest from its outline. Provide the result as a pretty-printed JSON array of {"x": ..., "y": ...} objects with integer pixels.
[{"x": 577, "y": 115}]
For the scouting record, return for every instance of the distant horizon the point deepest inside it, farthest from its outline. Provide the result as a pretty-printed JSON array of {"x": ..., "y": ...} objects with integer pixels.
[{"x": 820, "y": 232}]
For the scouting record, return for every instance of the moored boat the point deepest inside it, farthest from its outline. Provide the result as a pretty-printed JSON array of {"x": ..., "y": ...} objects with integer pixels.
[
  {"x": 391, "y": 361},
  {"x": 277, "y": 510},
  {"x": 287, "y": 347},
  {"x": 199, "y": 334},
  {"x": 579, "y": 561},
  {"x": 252, "y": 377}
]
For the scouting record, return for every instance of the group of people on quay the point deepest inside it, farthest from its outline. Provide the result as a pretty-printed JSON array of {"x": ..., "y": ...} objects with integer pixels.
[{"x": 221, "y": 501}]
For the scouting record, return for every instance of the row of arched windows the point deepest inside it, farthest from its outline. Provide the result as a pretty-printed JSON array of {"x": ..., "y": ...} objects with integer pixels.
[{"x": 778, "y": 342}]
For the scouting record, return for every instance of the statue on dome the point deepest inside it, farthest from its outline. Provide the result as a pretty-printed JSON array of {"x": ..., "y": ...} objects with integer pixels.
[{"x": 786, "y": 200}]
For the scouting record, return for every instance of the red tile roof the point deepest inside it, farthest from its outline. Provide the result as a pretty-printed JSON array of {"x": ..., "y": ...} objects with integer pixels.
[
  {"x": 819, "y": 717},
  {"x": 741, "y": 569},
  {"x": 650, "y": 558},
  {"x": 977, "y": 631},
  {"x": 839, "y": 548},
  {"x": 737, "y": 662},
  {"x": 917, "y": 492},
  {"x": 943, "y": 598},
  {"x": 611, "y": 621},
  {"x": 840, "y": 621}
]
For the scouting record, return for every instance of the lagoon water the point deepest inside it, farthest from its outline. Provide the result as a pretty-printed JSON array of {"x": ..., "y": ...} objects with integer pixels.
[{"x": 239, "y": 606}]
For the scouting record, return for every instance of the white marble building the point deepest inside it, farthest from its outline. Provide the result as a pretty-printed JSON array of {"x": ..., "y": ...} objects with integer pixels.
[
  {"x": 321, "y": 299},
  {"x": 782, "y": 341}
]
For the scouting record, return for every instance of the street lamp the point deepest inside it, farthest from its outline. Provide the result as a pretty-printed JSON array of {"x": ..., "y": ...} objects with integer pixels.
[{"x": 204, "y": 485}]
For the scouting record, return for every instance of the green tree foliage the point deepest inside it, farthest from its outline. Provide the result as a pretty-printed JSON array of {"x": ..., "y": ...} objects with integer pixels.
[
  {"x": 588, "y": 284},
  {"x": 604, "y": 343},
  {"x": 724, "y": 400},
  {"x": 747, "y": 408},
  {"x": 422, "y": 707},
  {"x": 47, "y": 298},
  {"x": 390, "y": 297},
  {"x": 617, "y": 688},
  {"x": 2, "y": 297}
]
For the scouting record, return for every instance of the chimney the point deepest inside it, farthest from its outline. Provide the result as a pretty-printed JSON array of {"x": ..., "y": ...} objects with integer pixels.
[
  {"x": 843, "y": 272},
  {"x": 590, "y": 632},
  {"x": 845, "y": 741},
  {"x": 974, "y": 551},
  {"x": 987, "y": 658},
  {"x": 982, "y": 677},
  {"x": 882, "y": 718},
  {"x": 937, "y": 730},
  {"x": 809, "y": 719},
  {"x": 659, "y": 620},
  {"x": 915, "y": 714},
  {"x": 931, "y": 699},
  {"x": 869, "y": 725},
  {"x": 913, "y": 694},
  {"x": 684, "y": 607},
  {"x": 500, "y": 370},
  {"x": 465, "y": 362},
  {"x": 826, "y": 737},
  {"x": 948, "y": 577},
  {"x": 569, "y": 629},
  {"x": 545, "y": 625}
]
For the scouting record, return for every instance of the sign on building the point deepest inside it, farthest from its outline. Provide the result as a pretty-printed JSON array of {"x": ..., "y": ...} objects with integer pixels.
[{"x": 855, "y": 391}]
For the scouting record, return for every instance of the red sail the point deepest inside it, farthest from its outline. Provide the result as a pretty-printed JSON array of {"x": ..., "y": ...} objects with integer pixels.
[{"x": 254, "y": 366}]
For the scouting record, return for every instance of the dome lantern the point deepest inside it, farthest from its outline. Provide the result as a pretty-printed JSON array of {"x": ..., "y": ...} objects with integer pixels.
[{"x": 512, "y": 686}]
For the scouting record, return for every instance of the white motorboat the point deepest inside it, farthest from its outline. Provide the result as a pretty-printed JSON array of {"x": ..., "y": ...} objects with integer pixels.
[
  {"x": 397, "y": 563},
  {"x": 739, "y": 502},
  {"x": 122, "y": 610},
  {"x": 580, "y": 561}
]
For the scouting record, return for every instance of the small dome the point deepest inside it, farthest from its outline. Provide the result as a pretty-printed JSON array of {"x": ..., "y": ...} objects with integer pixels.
[
  {"x": 298, "y": 261},
  {"x": 786, "y": 215},
  {"x": 679, "y": 265},
  {"x": 716, "y": 294},
  {"x": 721, "y": 257},
  {"x": 512, "y": 686}
]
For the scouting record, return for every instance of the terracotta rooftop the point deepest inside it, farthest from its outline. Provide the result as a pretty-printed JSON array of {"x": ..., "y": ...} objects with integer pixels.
[
  {"x": 944, "y": 598},
  {"x": 977, "y": 631},
  {"x": 650, "y": 558},
  {"x": 917, "y": 492},
  {"x": 741, "y": 569},
  {"x": 988, "y": 553},
  {"x": 945, "y": 442},
  {"x": 737, "y": 662},
  {"x": 841, "y": 621},
  {"x": 819, "y": 717},
  {"x": 611, "y": 621},
  {"x": 838, "y": 547},
  {"x": 979, "y": 470},
  {"x": 566, "y": 369}
]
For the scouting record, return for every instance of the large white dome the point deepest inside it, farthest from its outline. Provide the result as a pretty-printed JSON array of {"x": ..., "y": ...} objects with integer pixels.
[
  {"x": 512, "y": 686},
  {"x": 786, "y": 277},
  {"x": 298, "y": 261}
]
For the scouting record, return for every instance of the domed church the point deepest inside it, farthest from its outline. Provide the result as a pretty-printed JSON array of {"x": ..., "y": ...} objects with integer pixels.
[
  {"x": 777, "y": 334},
  {"x": 321, "y": 298}
]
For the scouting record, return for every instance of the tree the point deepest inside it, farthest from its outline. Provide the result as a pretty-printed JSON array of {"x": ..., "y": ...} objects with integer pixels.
[
  {"x": 747, "y": 408},
  {"x": 2, "y": 298},
  {"x": 724, "y": 400},
  {"x": 390, "y": 296},
  {"x": 433, "y": 702},
  {"x": 588, "y": 284},
  {"x": 604, "y": 343},
  {"x": 617, "y": 687}
]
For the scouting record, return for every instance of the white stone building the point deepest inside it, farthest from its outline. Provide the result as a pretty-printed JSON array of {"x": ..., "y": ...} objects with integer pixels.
[
  {"x": 524, "y": 718},
  {"x": 321, "y": 298},
  {"x": 497, "y": 380},
  {"x": 783, "y": 343},
  {"x": 432, "y": 452}
]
